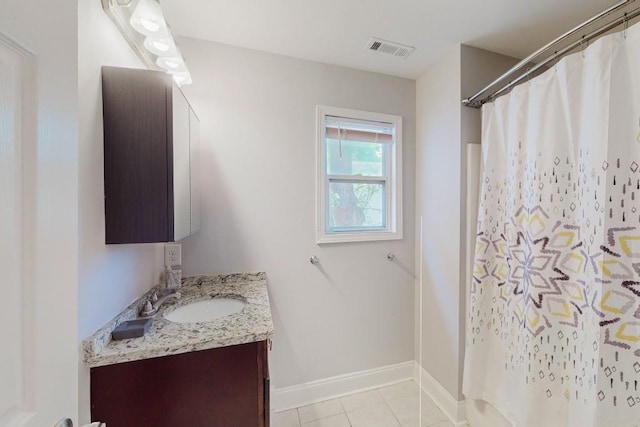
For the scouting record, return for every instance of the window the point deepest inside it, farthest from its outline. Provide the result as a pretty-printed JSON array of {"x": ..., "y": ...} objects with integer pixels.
[{"x": 359, "y": 186}]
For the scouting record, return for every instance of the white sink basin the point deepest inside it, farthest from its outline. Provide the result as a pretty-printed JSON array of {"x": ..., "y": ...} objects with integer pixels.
[{"x": 205, "y": 311}]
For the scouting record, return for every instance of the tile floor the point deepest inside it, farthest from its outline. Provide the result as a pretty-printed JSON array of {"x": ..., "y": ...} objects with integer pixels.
[{"x": 392, "y": 406}]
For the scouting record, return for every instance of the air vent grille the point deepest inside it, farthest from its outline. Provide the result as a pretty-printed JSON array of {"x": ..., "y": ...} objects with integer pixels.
[{"x": 392, "y": 48}]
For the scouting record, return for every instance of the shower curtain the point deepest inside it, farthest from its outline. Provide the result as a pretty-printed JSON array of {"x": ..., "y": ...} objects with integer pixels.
[{"x": 553, "y": 328}]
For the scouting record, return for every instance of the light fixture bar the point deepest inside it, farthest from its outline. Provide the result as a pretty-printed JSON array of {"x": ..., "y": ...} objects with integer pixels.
[{"x": 142, "y": 24}]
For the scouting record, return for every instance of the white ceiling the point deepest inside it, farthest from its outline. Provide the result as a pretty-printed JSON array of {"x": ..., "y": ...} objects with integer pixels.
[{"x": 336, "y": 31}]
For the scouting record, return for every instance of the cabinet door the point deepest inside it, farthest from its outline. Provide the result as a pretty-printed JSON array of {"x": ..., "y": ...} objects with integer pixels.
[
  {"x": 137, "y": 156},
  {"x": 181, "y": 187},
  {"x": 210, "y": 388},
  {"x": 194, "y": 141}
]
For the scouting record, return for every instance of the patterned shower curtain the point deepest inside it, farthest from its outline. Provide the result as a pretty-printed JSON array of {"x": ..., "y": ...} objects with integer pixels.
[{"x": 553, "y": 327}]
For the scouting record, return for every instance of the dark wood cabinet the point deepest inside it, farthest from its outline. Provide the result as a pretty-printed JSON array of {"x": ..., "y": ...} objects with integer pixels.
[
  {"x": 151, "y": 138},
  {"x": 222, "y": 387}
]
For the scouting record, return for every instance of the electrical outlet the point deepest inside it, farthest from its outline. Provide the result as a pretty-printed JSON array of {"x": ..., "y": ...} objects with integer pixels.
[{"x": 172, "y": 254}]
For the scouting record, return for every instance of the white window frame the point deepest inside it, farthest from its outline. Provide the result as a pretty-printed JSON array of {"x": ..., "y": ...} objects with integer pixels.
[{"x": 393, "y": 181}]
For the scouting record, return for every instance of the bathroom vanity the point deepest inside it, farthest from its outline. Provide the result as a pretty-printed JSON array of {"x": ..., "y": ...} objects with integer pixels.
[{"x": 212, "y": 373}]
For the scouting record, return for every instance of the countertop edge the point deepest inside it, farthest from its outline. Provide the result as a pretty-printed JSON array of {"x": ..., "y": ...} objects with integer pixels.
[{"x": 98, "y": 361}]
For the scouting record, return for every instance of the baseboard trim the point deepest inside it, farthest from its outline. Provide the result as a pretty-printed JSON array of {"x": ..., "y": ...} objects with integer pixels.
[
  {"x": 454, "y": 409},
  {"x": 330, "y": 388}
]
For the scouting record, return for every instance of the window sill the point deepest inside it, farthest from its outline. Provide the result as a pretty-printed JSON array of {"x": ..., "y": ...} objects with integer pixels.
[{"x": 371, "y": 236}]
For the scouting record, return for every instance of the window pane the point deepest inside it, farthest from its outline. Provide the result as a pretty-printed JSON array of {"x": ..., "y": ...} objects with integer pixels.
[
  {"x": 356, "y": 158},
  {"x": 356, "y": 205}
]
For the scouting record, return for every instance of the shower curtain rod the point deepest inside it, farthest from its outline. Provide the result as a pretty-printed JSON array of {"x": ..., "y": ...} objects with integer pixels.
[{"x": 475, "y": 102}]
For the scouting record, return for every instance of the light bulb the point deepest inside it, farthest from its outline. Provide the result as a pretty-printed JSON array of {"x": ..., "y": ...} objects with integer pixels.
[
  {"x": 182, "y": 78},
  {"x": 149, "y": 25},
  {"x": 147, "y": 18},
  {"x": 161, "y": 46},
  {"x": 169, "y": 63}
]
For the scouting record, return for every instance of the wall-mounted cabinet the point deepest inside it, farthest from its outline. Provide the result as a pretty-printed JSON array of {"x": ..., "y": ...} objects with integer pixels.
[{"x": 151, "y": 140}]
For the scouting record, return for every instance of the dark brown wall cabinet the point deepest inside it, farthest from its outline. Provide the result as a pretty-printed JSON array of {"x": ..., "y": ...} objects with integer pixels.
[
  {"x": 222, "y": 387},
  {"x": 151, "y": 138}
]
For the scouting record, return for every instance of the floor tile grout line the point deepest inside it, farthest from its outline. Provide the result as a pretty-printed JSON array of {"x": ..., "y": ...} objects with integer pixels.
[
  {"x": 368, "y": 405},
  {"x": 344, "y": 411},
  {"x": 385, "y": 400},
  {"x": 321, "y": 418},
  {"x": 348, "y": 419},
  {"x": 394, "y": 415}
]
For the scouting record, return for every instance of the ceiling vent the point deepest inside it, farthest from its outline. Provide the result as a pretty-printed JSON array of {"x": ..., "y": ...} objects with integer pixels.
[{"x": 392, "y": 48}]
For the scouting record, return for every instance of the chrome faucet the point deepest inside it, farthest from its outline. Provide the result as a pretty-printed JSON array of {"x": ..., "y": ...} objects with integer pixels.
[{"x": 152, "y": 305}]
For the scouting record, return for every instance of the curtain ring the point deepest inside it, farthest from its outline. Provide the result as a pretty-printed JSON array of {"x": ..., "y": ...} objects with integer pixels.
[
  {"x": 529, "y": 75},
  {"x": 555, "y": 63},
  {"x": 625, "y": 22},
  {"x": 584, "y": 44}
]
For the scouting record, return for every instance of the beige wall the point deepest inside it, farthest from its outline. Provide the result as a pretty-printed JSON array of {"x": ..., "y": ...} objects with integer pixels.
[
  {"x": 444, "y": 128},
  {"x": 438, "y": 204},
  {"x": 257, "y": 113}
]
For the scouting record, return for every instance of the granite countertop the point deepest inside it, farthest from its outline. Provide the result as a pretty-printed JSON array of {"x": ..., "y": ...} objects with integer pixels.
[{"x": 165, "y": 338}]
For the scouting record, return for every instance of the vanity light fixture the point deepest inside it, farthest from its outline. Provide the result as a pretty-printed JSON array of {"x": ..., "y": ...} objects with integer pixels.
[{"x": 142, "y": 24}]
